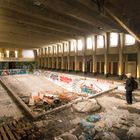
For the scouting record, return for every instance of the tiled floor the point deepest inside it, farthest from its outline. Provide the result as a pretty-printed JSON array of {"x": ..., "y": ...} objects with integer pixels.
[{"x": 25, "y": 85}]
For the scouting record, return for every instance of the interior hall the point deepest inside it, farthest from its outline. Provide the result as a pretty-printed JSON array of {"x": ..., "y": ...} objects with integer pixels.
[{"x": 69, "y": 70}]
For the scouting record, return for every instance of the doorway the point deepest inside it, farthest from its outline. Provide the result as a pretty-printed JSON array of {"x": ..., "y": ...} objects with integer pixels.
[
  {"x": 115, "y": 68},
  {"x": 12, "y": 65}
]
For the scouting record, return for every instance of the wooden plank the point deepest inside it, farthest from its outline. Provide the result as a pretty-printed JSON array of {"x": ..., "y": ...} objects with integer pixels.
[
  {"x": 3, "y": 134},
  {"x": 20, "y": 126},
  {"x": 0, "y": 137},
  {"x": 8, "y": 131},
  {"x": 14, "y": 123},
  {"x": 26, "y": 127},
  {"x": 12, "y": 127}
]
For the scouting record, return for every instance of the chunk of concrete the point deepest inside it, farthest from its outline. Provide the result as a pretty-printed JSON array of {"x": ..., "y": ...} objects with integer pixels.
[
  {"x": 106, "y": 136},
  {"x": 133, "y": 132},
  {"x": 87, "y": 106},
  {"x": 68, "y": 136}
]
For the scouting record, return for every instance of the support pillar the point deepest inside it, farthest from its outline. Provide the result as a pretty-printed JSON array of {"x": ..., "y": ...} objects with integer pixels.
[
  {"x": 57, "y": 58},
  {"x": 41, "y": 63},
  {"x": 62, "y": 58},
  {"x": 46, "y": 61},
  {"x": 84, "y": 54},
  {"x": 68, "y": 57},
  {"x": 94, "y": 69},
  {"x": 138, "y": 61},
  {"x": 100, "y": 67},
  {"x": 52, "y": 62},
  {"x": 38, "y": 62},
  {"x": 111, "y": 67},
  {"x": 107, "y": 37},
  {"x": 121, "y": 46},
  {"x": 57, "y": 63},
  {"x": 75, "y": 57}
]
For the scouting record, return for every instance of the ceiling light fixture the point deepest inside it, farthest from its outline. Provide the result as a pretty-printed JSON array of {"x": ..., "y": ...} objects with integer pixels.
[
  {"x": 36, "y": 2},
  {"x": 100, "y": 28}
]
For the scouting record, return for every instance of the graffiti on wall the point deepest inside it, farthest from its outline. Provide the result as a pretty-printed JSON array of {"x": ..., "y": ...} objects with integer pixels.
[
  {"x": 88, "y": 89},
  {"x": 79, "y": 84},
  {"x": 6, "y": 72},
  {"x": 65, "y": 79},
  {"x": 54, "y": 76}
]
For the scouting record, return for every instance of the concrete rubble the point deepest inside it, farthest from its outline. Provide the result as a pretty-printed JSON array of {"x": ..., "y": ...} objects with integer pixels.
[{"x": 86, "y": 106}]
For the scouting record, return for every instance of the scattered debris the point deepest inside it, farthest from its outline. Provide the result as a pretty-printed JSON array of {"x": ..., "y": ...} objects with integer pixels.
[
  {"x": 106, "y": 136},
  {"x": 93, "y": 118}
]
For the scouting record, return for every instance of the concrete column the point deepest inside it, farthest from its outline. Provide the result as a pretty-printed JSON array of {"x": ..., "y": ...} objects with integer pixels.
[
  {"x": 68, "y": 56},
  {"x": 106, "y": 40},
  {"x": 52, "y": 62},
  {"x": 84, "y": 53},
  {"x": 42, "y": 61},
  {"x": 94, "y": 69},
  {"x": 121, "y": 46},
  {"x": 51, "y": 59},
  {"x": 46, "y": 60},
  {"x": 75, "y": 57},
  {"x": 41, "y": 58},
  {"x": 111, "y": 67},
  {"x": 138, "y": 61},
  {"x": 100, "y": 64},
  {"x": 57, "y": 56},
  {"x": 62, "y": 57},
  {"x": 38, "y": 61},
  {"x": 57, "y": 62}
]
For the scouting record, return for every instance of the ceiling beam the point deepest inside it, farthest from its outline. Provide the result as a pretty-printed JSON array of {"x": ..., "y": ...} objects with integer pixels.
[
  {"x": 13, "y": 16},
  {"x": 122, "y": 24},
  {"x": 80, "y": 10},
  {"x": 46, "y": 14}
]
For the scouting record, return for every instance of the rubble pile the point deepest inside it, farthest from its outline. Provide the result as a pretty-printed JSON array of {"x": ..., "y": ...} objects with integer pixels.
[
  {"x": 111, "y": 125},
  {"x": 45, "y": 101}
]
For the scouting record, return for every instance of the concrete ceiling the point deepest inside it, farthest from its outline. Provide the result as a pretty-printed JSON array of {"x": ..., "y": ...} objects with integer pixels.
[{"x": 35, "y": 23}]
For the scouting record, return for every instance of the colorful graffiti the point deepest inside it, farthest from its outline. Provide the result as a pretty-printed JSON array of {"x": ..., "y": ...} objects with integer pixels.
[
  {"x": 78, "y": 84},
  {"x": 65, "y": 79},
  {"x": 54, "y": 76},
  {"x": 6, "y": 72},
  {"x": 88, "y": 89}
]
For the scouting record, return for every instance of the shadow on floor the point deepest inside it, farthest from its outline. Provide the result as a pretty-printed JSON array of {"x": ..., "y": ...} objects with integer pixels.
[{"x": 130, "y": 109}]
